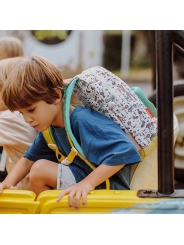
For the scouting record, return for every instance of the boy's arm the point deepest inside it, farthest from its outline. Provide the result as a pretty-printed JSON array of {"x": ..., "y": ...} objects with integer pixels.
[
  {"x": 81, "y": 189},
  {"x": 20, "y": 170}
]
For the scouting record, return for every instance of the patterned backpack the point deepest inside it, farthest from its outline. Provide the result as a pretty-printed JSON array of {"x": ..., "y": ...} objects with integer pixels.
[{"x": 101, "y": 90}]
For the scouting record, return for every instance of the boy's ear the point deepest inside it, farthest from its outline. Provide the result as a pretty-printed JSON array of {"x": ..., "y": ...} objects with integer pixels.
[{"x": 59, "y": 97}]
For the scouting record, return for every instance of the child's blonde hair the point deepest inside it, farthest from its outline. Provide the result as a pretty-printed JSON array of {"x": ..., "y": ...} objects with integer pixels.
[
  {"x": 32, "y": 80},
  {"x": 10, "y": 47},
  {"x": 6, "y": 66}
]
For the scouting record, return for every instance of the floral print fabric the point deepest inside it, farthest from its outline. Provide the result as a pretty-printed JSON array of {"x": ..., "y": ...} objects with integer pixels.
[{"x": 101, "y": 90}]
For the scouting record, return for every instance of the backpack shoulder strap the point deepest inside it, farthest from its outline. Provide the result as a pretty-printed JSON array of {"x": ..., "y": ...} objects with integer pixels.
[
  {"x": 49, "y": 138},
  {"x": 66, "y": 109}
]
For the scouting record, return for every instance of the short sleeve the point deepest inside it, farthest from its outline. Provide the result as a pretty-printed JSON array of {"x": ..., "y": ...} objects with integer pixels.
[{"x": 40, "y": 150}]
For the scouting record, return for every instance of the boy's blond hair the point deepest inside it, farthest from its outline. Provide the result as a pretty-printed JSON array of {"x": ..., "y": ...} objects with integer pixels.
[
  {"x": 6, "y": 66},
  {"x": 10, "y": 47},
  {"x": 32, "y": 80}
]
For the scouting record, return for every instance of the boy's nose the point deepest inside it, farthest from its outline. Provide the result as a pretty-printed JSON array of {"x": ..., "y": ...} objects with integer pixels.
[{"x": 27, "y": 119}]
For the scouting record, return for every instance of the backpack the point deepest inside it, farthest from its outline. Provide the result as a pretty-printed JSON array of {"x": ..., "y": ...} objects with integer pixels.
[{"x": 101, "y": 90}]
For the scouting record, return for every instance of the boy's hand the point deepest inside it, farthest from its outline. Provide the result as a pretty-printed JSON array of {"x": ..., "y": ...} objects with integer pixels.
[
  {"x": 81, "y": 189},
  {"x": 75, "y": 193},
  {"x": 4, "y": 185}
]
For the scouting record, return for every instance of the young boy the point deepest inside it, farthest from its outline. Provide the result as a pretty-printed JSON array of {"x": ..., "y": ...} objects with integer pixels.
[{"x": 35, "y": 89}]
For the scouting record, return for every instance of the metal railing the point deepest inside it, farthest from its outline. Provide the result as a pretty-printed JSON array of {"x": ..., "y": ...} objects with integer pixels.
[{"x": 165, "y": 43}]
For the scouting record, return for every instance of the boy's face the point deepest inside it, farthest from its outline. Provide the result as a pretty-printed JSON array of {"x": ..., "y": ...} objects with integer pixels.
[
  {"x": 2, "y": 105},
  {"x": 41, "y": 115}
]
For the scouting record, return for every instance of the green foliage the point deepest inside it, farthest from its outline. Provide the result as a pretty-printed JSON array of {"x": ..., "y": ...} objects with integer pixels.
[
  {"x": 50, "y": 34},
  {"x": 141, "y": 63}
]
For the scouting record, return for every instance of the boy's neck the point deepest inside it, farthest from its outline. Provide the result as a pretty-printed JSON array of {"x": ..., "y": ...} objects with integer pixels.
[
  {"x": 72, "y": 108},
  {"x": 59, "y": 123}
]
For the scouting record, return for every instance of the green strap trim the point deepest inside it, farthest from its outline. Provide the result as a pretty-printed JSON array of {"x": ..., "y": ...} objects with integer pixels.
[{"x": 66, "y": 109}]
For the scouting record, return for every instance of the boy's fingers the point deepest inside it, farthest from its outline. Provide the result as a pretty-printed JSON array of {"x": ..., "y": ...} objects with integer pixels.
[
  {"x": 61, "y": 194},
  {"x": 4, "y": 186},
  {"x": 72, "y": 199},
  {"x": 77, "y": 201},
  {"x": 84, "y": 200}
]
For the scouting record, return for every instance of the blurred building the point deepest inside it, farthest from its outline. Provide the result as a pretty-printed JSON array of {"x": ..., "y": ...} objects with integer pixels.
[
  {"x": 71, "y": 51},
  {"x": 77, "y": 50}
]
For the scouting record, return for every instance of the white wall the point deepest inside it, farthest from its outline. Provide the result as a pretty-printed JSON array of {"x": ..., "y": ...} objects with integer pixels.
[
  {"x": 92, "y": 54},
  {"x": 81, "y": 47}
]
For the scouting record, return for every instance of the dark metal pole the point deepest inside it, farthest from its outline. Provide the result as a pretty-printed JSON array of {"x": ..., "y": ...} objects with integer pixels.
[{"x": 165, "y": 112}]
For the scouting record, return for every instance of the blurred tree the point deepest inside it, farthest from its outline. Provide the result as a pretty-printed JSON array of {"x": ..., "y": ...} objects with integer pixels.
[
  {"x": 51, "y": 36},
  {"x": 141, "y": 49}
]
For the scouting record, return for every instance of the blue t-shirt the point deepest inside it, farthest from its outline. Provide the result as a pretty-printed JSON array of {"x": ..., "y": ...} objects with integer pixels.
[{"x": 102, "y": 141}]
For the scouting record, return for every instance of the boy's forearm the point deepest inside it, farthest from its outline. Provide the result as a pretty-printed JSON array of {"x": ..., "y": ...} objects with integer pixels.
[
  {"x": 101, "y": 173},
  {"x": 19, "y": 171}
]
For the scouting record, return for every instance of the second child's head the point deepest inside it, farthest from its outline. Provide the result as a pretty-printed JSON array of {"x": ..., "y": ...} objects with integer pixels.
[
  {"x": 33, "y": 79},
  {"x": 10, "y": 47},
  {"x": 6, "y": 66}
]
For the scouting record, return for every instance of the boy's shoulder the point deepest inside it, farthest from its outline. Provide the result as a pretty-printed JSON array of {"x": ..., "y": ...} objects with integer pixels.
[{"x": 90, "y": 116}]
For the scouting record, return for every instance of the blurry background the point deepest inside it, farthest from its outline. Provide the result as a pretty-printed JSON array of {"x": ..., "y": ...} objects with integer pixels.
[{"x": 127, "y": 53}]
